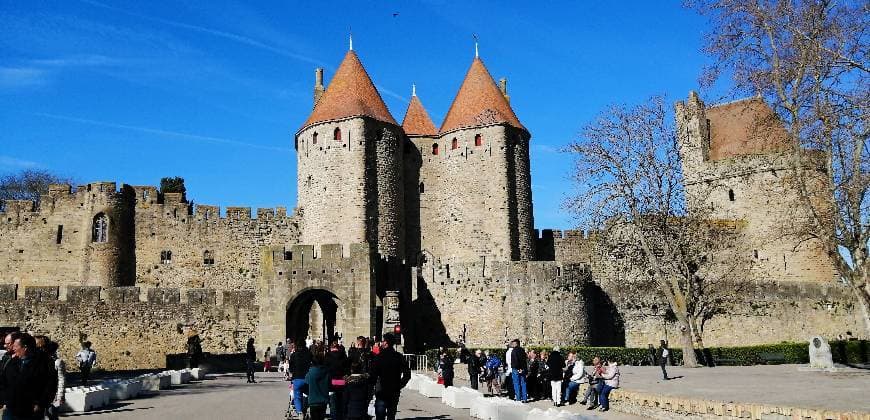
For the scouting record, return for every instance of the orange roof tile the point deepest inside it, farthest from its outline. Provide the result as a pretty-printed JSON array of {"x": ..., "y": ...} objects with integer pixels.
[
  {"x": 745, "y": 127},
  {"x": 350, "y": 93},
  {"x": 479, "y": 102},
  {"x": 417, "y": 121}
]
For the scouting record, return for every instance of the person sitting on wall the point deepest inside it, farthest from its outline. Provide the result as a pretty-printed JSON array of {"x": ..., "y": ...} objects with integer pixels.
[
  {"x": 611, "y": 382},
  {"x": 578, "y": 377},
  {"x": 591, "y": 395}
]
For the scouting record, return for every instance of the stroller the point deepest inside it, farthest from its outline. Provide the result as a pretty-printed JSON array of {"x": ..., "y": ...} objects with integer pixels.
[{"x": 291, "y": 413}]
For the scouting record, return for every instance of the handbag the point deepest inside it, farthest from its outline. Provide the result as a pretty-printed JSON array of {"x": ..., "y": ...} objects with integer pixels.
[
  {"x": 440, "y": 380},
  {"x": 337, "y": 383}
]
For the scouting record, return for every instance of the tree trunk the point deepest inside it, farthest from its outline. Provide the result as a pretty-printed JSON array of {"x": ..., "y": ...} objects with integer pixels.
[
  {"x": 686, "y": 341},
  {"x": 698, "y": 340},
  {"x": 863, "y": 296}
]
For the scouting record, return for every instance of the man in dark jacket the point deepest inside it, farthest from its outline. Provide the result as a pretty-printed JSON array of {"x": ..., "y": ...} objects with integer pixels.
[
  {"x": 250, "y": 359},
  {"x": 389, "y": 375},
  {"x": 519, "y": 366},
  {"x": 28, "y": 381},
  {"x": 555, "y": 364},
  {"x": 300, "y": 362}
]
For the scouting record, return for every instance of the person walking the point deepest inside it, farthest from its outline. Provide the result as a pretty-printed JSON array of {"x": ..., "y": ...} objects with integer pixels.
[
  {"x": 445, "y": 369},
  {"x": 555, "y": 364},
  {"x": 280, "y": 352},
  {"x": 519, "y": 366},
  {"x": 194, "y": 350},
  {"x": 60, "y": 367},
  {"x": 300, "y": 362},
  {"x": 316, "y": 384},
  {"x": 337, "y": 364},
  {"x": 28, "y": 382},
  {"x": 356, "y": 393},
  {"x": 86, "y": 359},
  {"x": 663, "y": 358},
  {"x": 389, "y": 375},
  {"x": 492, "y": 368},
  {"x": 250, "y": 359},
  {"x": 267, "y": 359}
]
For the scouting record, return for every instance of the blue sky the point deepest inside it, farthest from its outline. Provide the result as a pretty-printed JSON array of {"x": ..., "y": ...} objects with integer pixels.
[{"x": 213, "y": 91}]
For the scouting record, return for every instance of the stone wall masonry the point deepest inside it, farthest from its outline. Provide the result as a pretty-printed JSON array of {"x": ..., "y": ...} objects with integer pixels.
[
  {"x": 53, "y": 244},
  {"x": 537, "y": 301},
  {"x": 207, "y": 251},
  {"x": 290, "y": 273},
  {"x": 759, "y": 312},
  {"x": 465, "y": 204},
  {"x": 128, "y": 332},
  {"x": 351, "y": 190}
]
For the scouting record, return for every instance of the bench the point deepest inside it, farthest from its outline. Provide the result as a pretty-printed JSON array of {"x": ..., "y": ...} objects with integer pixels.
[
  {"x": 772, "y": 358},
  {"x": 725, "y": 362}
]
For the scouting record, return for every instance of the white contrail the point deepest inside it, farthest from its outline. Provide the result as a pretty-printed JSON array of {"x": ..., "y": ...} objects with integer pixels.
[
  {"x": 226, "y": 35},
  {"x": 162, "y": 132}
]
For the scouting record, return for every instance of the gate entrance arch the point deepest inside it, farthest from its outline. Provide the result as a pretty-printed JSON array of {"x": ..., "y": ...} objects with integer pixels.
[{"x": 300, "y": 322}]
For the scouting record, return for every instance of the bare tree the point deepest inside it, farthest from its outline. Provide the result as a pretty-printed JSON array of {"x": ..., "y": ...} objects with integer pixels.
[
  {"x": 630, "y": 184},
  {"x": 28, "y": 184},
  {"x": 809, "y": 60}
]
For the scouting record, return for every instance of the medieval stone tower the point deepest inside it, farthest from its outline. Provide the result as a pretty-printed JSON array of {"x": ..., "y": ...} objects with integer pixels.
[
  {"x": 349, "y": 154},
  {"x": 471, "y": 179},
  {"x": 736, "y": 160}
]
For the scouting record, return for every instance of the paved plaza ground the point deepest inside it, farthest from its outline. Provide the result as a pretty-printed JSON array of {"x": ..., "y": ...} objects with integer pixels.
[
  {"x": 229, "y": 397},
  {"x": 847, "y": 389}
]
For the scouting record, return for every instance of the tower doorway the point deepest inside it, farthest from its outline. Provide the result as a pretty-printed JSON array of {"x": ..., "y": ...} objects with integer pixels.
[{"x": 313, "y": 314}]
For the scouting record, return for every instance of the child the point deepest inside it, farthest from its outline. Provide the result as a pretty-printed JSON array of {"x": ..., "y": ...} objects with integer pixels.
[{"x": 356, "y": 393}]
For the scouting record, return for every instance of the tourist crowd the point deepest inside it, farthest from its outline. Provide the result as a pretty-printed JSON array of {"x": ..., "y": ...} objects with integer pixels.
[
  {"x": 344, "y": 381},
  {"x": 32, "y": 376},
  {"x": 529, "y": 375}
]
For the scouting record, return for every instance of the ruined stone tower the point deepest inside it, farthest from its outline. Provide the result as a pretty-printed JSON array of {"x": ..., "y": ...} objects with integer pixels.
[
  {"x": 350, "y": 179},
  {"x": 474, "y": 186}
]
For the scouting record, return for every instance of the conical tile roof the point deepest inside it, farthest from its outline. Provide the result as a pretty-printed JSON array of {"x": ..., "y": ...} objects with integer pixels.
[
  {"x": 479, "y": 102},
  {"x": 351, "y": 93},
  {"x": 417, "y": 121}
]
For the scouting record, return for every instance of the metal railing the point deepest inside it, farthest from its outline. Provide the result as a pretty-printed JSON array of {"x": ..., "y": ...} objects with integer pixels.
[{"x": 417, "y": 362}]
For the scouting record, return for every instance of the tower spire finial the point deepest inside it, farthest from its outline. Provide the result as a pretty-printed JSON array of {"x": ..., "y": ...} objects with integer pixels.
[
  {"x": 350, "y": 37},
  {"x": 476, "y": 53},
  {"x": 413, "y": 89}
]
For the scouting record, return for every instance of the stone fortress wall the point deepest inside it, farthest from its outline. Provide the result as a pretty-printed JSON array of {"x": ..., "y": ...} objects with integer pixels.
[
  {"x": 54, "y": 244},
  {"x": 625, "y": 311},
  {"x": 487, "y": 302},
  {"x": 131, "y": 327}
]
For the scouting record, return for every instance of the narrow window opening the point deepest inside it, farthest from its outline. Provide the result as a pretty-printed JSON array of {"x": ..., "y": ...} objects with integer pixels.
[
  {"x": 314, "y": 138},
  {"x": 59, "y": 234},
  {"x": 101, "y": 228},
  {"x": 435, "y": 148},
  {"x": 145, "y": 195},
  {"x": 755, "y": 253},
  {"x": 730, "y": 195},
  {"x": 422, "y": 188},
  {"x": 454, "y": 144},
  {"x": 337, "y": 134},
  {"x": 288, "y": 255},
  {"x": 165, "y": 257},
  {"x": 207, "y": 257},
  {"x": 478, "y": 140}
]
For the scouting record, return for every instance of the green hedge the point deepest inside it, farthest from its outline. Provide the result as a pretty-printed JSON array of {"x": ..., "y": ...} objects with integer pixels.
[{"x": 846, "y": 352}]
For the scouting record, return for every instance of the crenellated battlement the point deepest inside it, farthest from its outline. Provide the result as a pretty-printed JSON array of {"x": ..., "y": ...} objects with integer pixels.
[
  {"x": 244, "y": 299},
  {"x": 310, "y": 259}
]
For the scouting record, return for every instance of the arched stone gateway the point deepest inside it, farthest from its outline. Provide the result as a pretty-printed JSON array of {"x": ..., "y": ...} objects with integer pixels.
[
  {"x": 324, "y": 290},
  {"x": 313, "y": 313}
]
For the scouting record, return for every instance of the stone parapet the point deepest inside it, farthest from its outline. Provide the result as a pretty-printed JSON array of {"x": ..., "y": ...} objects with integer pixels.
[{"x": 666, "y": 407}]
